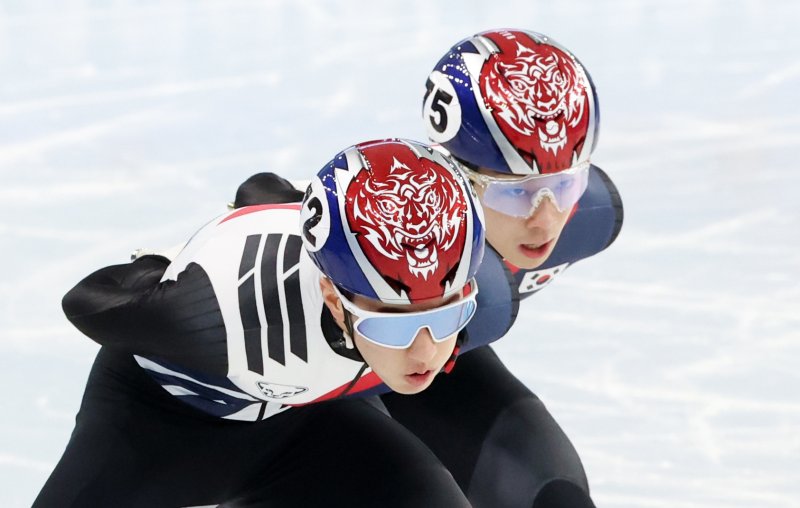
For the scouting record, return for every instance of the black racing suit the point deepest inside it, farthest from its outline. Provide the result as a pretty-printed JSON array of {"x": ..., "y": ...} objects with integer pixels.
[
  {"x": 220, "y": 381},
  {"x": 497, "y": 438}
]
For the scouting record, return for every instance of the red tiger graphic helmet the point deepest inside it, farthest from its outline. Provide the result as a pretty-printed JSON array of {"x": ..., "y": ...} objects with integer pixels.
[
  {"x": 512, "y": 101},
  {"x": 393, "y": 220}
]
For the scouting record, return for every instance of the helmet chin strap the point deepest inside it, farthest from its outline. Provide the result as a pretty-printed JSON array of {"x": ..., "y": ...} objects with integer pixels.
[{"x": 348, "y": 333}]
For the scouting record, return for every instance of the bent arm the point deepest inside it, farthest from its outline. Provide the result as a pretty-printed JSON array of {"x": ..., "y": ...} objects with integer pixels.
[
  {"x": 111, "y": 287},
  {"x": 126, "y": 306}
]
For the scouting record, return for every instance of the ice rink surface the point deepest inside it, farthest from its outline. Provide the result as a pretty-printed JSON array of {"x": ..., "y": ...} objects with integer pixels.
[{"x": 671, "y": 359}]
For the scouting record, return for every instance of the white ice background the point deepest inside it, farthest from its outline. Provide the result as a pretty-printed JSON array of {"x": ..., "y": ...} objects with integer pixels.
[{"x": 671, "y": 359}]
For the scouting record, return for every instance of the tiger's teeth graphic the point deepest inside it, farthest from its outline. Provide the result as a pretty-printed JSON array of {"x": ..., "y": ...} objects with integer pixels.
[
  {"x": 554, "y": 143},
  {"x": 423, "y": 271},
  {"x": 422, "y": 260}
]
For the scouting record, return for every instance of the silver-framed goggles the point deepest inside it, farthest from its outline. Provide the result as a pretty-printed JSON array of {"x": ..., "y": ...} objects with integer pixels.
[{"x": 521, "y": 196}]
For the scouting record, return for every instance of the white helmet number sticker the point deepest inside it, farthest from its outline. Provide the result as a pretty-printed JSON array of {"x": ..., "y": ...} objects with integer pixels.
[{"x": 441, "y": 109}]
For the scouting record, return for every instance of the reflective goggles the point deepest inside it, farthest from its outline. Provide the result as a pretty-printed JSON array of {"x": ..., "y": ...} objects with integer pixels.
[
  {"x": 519, "y": 197},
  {"x": 397, "y": 330}
]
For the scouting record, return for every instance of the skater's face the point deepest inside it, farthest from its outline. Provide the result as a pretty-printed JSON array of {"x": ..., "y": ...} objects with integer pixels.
[
  {"x": 405, "y": 370},
  {"x": 526, "y": 242}
]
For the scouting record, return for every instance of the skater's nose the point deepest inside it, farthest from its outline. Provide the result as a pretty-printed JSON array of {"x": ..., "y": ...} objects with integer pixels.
[{"x": 423, "y": 349}]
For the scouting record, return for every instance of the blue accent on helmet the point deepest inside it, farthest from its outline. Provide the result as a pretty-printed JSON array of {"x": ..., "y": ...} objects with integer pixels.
[
  {"x": 336, "y": 258},
  {"x": 473, "y": 142}
]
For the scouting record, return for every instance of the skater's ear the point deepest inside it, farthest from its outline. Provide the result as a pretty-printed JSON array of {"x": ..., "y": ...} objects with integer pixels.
[{"x": 332, "y": 301}]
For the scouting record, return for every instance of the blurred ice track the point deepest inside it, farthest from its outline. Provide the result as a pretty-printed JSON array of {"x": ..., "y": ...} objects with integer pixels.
[{"x": 671, "y": 359}]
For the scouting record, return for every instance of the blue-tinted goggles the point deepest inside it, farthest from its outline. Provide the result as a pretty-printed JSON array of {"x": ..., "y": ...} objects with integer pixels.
[
  {"x": 519, "y": 197},
  {"x": 398, "y": 330}
]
